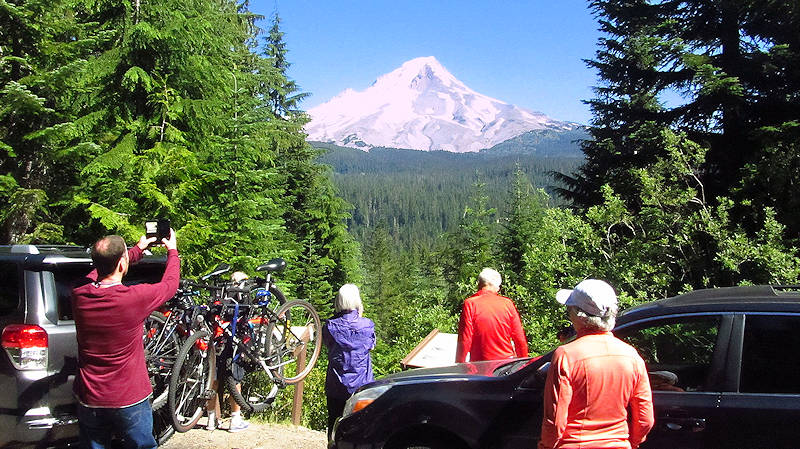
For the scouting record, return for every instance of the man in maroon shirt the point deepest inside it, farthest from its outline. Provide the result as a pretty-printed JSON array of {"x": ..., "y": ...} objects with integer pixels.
[
  {"x": 113, "y": 385},
  {"x": 489, "y": 324}
]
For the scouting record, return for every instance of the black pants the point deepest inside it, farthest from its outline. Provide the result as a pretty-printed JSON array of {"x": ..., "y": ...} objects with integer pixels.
[{"x": 335, "y": 409}]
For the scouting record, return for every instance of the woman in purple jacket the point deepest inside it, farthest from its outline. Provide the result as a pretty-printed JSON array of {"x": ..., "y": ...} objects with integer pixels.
[{"x": 349, "y": 337}]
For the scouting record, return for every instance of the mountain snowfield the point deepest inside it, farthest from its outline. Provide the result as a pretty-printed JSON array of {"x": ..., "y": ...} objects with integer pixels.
[{"x": 422, "y": 106}]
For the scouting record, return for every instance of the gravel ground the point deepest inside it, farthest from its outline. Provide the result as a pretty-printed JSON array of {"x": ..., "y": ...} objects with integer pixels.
[{"x": 258, "y": 435}]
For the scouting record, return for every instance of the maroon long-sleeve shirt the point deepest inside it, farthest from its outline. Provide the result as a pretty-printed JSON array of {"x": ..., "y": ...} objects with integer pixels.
[{"x": 108, "y": 320}]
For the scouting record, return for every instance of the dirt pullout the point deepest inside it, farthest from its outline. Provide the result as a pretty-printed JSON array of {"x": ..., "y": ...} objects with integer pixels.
[{"x": 258, "y": 435}]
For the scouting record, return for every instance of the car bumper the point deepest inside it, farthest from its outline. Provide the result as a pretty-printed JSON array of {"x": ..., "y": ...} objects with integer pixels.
[
  {"x": 355, "y": 437},
  {"x": 38, "y": 427}
]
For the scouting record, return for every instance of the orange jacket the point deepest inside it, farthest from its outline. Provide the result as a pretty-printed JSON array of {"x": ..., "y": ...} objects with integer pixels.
[
  {"x": 591, "y": 384},
  {"x": 489, "y": 323}
]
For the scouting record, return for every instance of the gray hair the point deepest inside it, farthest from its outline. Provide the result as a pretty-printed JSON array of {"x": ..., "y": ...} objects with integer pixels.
[
  {"x": 348, "y": 298},
  {"x": 596, "y": 323},
  {"x": 489, "y": 276}
]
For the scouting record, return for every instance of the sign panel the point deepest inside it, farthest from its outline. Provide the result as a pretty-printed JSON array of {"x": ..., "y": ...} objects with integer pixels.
[{"x": 437, "y": 349}]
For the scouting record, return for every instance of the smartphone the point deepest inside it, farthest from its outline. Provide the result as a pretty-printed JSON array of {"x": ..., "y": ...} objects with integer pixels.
[{"x": 157, "y": 228}]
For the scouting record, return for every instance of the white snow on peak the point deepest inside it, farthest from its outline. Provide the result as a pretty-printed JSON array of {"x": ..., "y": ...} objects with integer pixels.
[{"x": 421, "y": 106}]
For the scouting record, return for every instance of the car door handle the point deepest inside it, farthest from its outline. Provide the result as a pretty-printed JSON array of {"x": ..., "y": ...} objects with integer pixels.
[{"x": 684, "y": 424}]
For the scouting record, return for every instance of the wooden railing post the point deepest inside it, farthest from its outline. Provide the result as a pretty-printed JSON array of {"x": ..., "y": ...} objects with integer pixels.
[{"x": 297, "y": 400}]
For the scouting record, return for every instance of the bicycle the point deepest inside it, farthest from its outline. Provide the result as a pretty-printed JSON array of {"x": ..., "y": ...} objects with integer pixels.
[
  {"x": 274, "y": 341},
  {"x": 213, "y": 326},
  {"x": 261, "y": 340},
  {"x": 192, "y": 376},
  {"x": 164, "y": 331}
]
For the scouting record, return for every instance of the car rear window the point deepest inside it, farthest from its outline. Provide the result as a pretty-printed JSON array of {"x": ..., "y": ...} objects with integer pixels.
[
  {"x": 66, "y": 275},
  {"x": 770, "y": 359},
  {"x": 9, "y": 288}
]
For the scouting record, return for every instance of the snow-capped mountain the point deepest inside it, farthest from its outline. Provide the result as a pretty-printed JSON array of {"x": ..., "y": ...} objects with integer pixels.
[{"x": 422, "y": 106}]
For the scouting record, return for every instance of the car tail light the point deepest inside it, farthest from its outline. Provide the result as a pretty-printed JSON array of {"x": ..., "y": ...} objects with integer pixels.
[{"x": 26, "y": 346}]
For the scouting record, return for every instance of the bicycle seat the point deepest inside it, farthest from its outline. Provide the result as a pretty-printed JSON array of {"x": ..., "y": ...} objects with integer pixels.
[
  {"x": 221, "y": 268},
  {"x": 273, "y": 265}
]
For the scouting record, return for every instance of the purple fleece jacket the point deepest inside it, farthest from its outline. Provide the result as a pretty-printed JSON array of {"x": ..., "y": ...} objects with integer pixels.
[{"x": 349, "y": 339}]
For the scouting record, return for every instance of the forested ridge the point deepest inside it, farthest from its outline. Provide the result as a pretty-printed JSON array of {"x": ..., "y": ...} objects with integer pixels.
[
  {"x": 419, "y": 195},
  {"x": 112, "y": 113}
]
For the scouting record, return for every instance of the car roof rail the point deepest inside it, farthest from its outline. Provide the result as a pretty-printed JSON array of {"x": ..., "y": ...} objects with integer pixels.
[
  {"x": 786, "y": 288},
  {"x": 24, "y": 249}
]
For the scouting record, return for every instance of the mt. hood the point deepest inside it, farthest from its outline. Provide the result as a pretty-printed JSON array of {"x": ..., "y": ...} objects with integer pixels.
[{"x": 422, "y": 106}]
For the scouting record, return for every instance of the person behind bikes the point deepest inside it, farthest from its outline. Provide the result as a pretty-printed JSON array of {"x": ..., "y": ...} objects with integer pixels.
[
  {"x": 349, "y": 338},
  {"x": 223, "y": 368}
]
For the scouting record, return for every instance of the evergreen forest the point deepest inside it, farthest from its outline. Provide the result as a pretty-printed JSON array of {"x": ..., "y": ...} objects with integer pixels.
[
  {"x": 113, "y": 113},
  {"x": 417, "y": 195}
]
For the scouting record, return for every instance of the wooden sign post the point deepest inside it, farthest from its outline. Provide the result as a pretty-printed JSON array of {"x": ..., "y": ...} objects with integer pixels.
[{"x": 300, "y": 353}]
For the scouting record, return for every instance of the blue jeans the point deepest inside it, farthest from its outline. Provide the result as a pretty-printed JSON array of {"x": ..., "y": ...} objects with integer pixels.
[{"x": 134, "y": 424}]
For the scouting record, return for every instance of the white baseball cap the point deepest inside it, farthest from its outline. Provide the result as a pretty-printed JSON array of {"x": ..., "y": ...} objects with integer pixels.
[{"x": 593, "y": 296}]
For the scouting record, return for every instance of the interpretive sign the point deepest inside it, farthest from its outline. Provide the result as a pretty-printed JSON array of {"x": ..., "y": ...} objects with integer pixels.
[{"x": 437, "y": 349}]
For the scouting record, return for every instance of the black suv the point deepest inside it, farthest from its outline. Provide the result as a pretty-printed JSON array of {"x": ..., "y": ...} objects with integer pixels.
[
  {"x": 39, "y": 360},
  {"x": 724, "y": 366}
]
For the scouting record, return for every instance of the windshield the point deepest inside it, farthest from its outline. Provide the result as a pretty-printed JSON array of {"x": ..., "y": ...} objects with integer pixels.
[{"x": 513, "y": 367}]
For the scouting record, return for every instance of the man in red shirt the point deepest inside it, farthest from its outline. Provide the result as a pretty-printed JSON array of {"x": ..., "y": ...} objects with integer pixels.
[
  {"x": 597, "y": 392},
  {"x": 489, "y": 324},
  {"x": 113, "y": 385}
]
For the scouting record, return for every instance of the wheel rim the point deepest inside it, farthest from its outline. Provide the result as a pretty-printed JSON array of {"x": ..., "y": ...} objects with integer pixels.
[
  {"x": 192, "y": 388},
  {"x": 190, "y": 382},
  {"x": 297, "y": 329},
  {"x": 161, "y": 351}
]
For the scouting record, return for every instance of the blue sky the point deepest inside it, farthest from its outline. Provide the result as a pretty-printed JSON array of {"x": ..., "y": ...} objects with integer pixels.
[{"x": 528, "y": 53}]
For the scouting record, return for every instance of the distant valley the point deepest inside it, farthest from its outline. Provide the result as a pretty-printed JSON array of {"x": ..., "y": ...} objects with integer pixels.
[{"x": 418, "y": 195}]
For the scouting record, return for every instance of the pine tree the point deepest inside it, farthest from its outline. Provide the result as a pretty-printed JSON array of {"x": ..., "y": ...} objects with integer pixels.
[
  {"x": 381, "y": 266},
  {"x": 735, "y": 64},
  {"x": 285, "y": 95},
  {"x": 525, "y": 212},
  {"x": 155, "y": 105},
  {"x": 469, "y": 249},
  {"x": 314, "y": 215},
  {"x": 43, "y": 46}
]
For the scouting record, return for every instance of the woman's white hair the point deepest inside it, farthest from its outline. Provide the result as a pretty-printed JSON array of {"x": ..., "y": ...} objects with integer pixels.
[
  {"x": 596, "y": 323},
  {"x": 489, "y": 276},
  {"x": 348, "y": 298}
]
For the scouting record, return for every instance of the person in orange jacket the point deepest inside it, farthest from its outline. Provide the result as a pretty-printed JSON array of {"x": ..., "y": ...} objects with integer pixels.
[{"x": 597, "y": 393}]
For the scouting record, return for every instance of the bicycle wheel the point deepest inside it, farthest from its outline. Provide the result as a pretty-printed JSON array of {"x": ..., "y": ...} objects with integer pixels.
[
  {"x": 161, "y": 347},
  {"x": 294, "y": 341},
  {"x": 162, "y": 426},
  {"x": 190, "y": 381},
  {"x": 253, "y": 390},
  {"x": 257, "y": 339}
]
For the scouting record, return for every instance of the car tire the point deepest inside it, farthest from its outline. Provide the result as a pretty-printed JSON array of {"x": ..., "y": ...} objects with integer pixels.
[{"x": 428, "y": 442}]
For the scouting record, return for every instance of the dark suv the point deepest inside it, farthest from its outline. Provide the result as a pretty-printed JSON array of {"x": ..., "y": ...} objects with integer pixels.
[
  {"x": 39, "y": 359},
  {"x": 724, "y": 366}
]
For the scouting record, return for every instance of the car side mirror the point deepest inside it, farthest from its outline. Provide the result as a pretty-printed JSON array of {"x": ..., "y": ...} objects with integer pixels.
[
  {"x": 541, "y": 373},
  {"x": 538, "y": 378}
]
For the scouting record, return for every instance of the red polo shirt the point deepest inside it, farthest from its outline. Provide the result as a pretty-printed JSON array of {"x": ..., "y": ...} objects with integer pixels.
[
  {"x": 108, "y": 321},
  {"x": 489, "y": 323}
]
